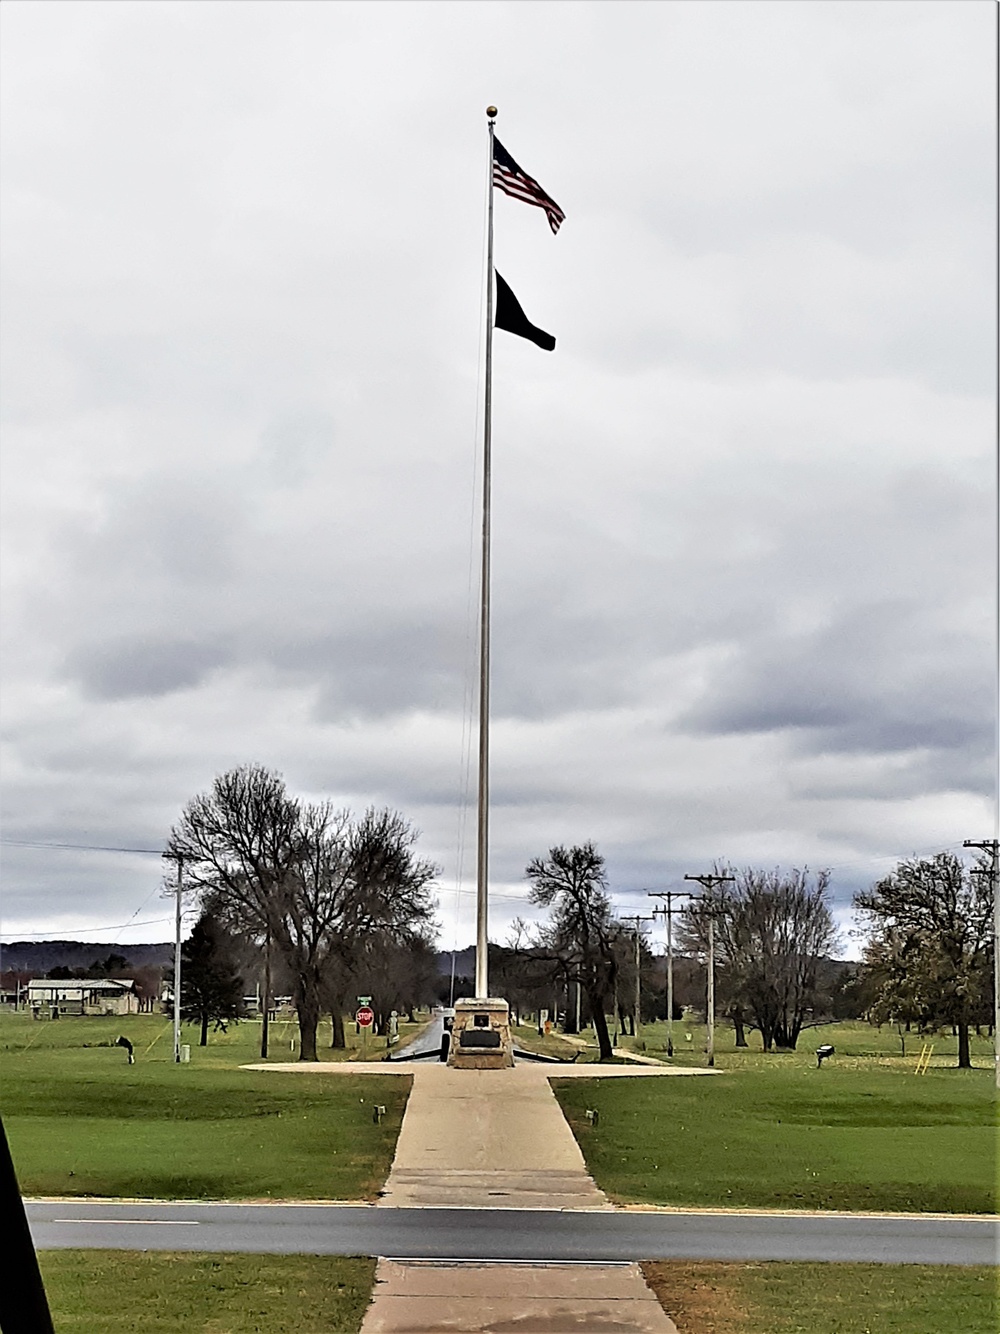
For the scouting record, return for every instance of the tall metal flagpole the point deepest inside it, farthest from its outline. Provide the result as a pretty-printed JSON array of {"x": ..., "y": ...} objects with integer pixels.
[{"x": 482, "y": 846}]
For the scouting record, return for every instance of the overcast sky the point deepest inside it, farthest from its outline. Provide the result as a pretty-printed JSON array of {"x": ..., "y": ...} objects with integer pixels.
[{"x": 743, "y": 514}]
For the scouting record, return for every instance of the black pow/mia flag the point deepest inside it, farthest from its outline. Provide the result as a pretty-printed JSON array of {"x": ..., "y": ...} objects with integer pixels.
[{"x": 511, "y": 317}]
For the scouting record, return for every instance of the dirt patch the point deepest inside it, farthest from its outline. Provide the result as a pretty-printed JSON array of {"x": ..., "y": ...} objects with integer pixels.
[{"x": 700, "y": 1298}]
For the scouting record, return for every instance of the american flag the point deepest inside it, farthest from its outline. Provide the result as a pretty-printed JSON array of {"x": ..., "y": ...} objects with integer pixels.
[{"x": 517, "y": 183}]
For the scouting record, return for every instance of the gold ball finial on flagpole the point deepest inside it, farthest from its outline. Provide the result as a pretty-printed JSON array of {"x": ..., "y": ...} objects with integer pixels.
[{"x": 491, "y": 112}]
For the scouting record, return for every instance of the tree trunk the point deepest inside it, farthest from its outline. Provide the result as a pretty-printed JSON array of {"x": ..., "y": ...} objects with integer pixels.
[
  {"x": 964, "y": 1056},
  {"x": 793, "y": 1031},
  {"x": 204, "y": 1029},
  {"x": 338, "y": 1039},
  {"x": 741, "y": 1037},
  {"x": 266, "y": 1001},
  {"x": 308, "y": 1023},
  {"x": 601, "y": 1031},
  {"x": 307, "y": 1005}
]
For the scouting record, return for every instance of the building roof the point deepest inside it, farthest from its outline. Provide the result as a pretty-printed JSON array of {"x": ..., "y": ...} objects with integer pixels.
[{"x": 81, "y": 983}]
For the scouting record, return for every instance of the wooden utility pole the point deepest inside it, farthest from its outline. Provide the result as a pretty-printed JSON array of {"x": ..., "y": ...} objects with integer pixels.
[
  {"x": 667, "y": 912},
  {"x": 637, "y": 1012},
  {"x": 265, "y": 1012},
  {"x": 709, "y": 882},
  {"x": 178, "y": 893}
]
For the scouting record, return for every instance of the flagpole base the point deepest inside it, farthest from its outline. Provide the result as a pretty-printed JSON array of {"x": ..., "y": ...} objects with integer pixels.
[{"x": 480, "y": 1036}]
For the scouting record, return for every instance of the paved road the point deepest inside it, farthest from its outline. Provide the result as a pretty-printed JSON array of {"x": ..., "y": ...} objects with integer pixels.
[
  {"x": 428, "y": 1041},
  {"x": 504, "y": 1234}
]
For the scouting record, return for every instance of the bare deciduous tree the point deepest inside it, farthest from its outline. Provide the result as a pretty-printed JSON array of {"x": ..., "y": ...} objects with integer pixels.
[
  {"x": 398, "y": 970},
  {"x": 580, "y": 934},
  {"x": 524, "y": 973},
  {"x": 302, "y": 876},
  {"x": 772, "y": 929}
]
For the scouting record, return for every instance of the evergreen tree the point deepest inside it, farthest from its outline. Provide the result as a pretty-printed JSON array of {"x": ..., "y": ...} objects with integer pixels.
[
  {"x": 211, "y": 988},
  {"x": 115, "y": 965}
]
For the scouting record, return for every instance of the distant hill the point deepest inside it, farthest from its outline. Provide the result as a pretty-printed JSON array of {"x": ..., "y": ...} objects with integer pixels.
[
  {"x": 39, "y": 956},
  {"x": 465, "y": 962}
]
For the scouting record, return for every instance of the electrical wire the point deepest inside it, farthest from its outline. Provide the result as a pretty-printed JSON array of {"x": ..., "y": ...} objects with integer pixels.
[
  {"x": 77, "y": 847},
  {"x": 87, "y": 930}
]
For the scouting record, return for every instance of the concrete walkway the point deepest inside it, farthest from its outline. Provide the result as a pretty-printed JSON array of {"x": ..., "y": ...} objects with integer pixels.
[
  {"x": 497, "y": 1139},
  {"x": 624, "y": 1052},
  {"x": 435, "y": 1298},
  {"x": 488, "y": 1139}
]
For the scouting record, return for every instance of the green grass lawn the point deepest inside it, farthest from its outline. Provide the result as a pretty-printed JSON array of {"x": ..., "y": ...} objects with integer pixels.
[
  {"x": 853, "y": 1040},
  {"x": 162, "y": 1292},
  {"x": 81, "y": 1121},
  {"x": 555, "y": 1045},
  {"x": 789, "y": 1298},
  {"x": 864, "y": 1132},
  {"x": 549, "y": 1044}
]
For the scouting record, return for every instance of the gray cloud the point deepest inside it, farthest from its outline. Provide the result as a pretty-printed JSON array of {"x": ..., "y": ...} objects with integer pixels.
[
  {"x": 143, "y": 667},
  {"x": 743, "y": 551},
  {"x": 871, "y": 679}
]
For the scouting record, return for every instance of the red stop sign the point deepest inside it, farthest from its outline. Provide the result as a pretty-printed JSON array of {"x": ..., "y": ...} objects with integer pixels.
[{"x": 365, "y": 1016}]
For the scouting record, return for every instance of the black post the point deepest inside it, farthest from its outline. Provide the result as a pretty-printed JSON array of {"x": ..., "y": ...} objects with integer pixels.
[{"x": 24, "y": 1308}]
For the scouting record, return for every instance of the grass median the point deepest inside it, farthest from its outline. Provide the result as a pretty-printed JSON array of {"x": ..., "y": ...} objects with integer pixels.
[
  {"x": 83, "y": 1122},
  {"x": 774, "y": 1131},
  {"x": 161, "y": 1292},
  {"x": 787, "y": 1298}
]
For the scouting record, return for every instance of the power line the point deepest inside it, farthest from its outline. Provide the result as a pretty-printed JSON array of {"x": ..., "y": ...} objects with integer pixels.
[
  {"x": 894, "y": 856},
  {"x": 77, "y": 847},
  {"x": 87, "y": 930}
]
